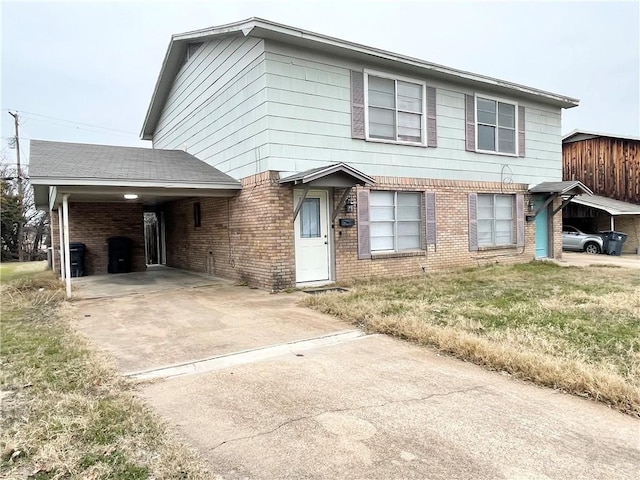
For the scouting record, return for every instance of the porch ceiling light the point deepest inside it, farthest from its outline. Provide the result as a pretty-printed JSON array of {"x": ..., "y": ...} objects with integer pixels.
[{"x": 130, "y": 196}]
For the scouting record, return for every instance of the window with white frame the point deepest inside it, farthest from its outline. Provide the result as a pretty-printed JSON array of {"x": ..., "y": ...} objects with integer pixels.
[
  {"x": 395, "y": 109},
  {"x": 496, "y": 122},
  {"x": 395, "y": 221},
  {"x": 496, "y": 220}
]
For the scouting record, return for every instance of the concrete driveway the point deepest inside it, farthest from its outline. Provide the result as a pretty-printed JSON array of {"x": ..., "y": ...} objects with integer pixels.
[
  {"x": 149, "y": 331},
  {"x": 324, "y": 402},
  {"x": 582, "y": 259}
]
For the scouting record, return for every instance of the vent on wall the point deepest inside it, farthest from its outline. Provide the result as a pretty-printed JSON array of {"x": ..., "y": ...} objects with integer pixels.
[{"x": 192, "y": 48}]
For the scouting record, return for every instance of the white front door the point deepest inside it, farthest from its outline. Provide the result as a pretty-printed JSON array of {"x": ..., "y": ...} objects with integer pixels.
[{"x": 312, "y": 236}]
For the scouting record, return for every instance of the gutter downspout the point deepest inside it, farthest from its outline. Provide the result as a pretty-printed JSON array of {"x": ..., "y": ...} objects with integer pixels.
[{"x": 67, "y": 253}]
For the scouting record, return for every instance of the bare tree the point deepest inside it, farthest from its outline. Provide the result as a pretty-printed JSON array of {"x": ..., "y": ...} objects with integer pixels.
[{"x": 20, "y": 212}]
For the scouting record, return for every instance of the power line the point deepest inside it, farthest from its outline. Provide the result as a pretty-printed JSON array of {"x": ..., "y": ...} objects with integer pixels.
[{"x": 75, "y": 123}]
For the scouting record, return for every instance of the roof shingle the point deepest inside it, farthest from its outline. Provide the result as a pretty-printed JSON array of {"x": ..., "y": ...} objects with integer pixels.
[{"x": 59, "y": 160}]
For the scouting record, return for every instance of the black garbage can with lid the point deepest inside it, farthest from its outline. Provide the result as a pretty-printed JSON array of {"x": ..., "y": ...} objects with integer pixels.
[
  {"x": 613, "y": 242},
  {"x": 120, "y": 249},
  {"x": 77, "y": 251}
]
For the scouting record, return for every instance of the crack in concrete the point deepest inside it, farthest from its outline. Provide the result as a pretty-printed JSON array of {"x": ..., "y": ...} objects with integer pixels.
[{"x": 340, "y": 410}]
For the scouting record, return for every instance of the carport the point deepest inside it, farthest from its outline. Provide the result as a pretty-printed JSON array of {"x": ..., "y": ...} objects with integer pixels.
[
  {"x": 598, "y": 213},
  {"x": 96, "y": 192}
]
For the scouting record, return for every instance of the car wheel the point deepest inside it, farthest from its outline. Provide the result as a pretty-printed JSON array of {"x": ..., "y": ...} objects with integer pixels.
[{"x": 592, "y": 248}]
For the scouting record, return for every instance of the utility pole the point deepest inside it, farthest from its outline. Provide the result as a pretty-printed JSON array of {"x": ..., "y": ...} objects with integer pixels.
[{"x": 20, "y": 191}]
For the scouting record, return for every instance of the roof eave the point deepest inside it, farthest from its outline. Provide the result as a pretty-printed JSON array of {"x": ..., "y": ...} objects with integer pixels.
[
  {"x": 610, "y": 210},
  {"x": 89, "y": 182},
  {"x": 575, "y": 132},
  {"x": 263, "y": 28},
  {"x": 284, "y": 30}
]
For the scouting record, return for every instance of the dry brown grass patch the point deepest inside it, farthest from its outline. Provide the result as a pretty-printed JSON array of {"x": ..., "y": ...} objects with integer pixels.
[
  {"x": 66, "y": 412},
  {"x": 576, "y": 330}
]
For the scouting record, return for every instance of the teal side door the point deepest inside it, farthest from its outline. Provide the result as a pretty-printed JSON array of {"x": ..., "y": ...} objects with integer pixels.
[{"x": 542, "y": 234}]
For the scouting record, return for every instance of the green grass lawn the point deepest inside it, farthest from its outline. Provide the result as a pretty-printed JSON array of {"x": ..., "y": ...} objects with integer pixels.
[
  {"x": 65, "y": 411},
  {"x": 575, "y": 329}
]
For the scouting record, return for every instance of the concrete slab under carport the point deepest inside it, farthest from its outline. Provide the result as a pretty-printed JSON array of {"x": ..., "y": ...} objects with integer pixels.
[
  {"x": 381, "y": 408},
  {"x": 156, "y": 278}
]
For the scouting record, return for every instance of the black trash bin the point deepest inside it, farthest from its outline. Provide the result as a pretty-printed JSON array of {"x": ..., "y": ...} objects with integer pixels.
[
  {"x": 77, "y": 252},
  {"x": 613, "y": 242},
  {"x": 120, "y": 249}
]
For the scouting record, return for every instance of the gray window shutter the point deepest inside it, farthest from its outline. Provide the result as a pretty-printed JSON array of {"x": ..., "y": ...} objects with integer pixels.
[
  {"x": 357, "y": 105},
  {"x": 430, "y": 203},
  {"x": 364, "y": 235},
  {"x": 521, "y": 152},
  {"x": 432, "y": 129},
  {"x": 473, "y": 222},
  {"x": 520, "y": 220},
  {"x": 470, "y": 126}
]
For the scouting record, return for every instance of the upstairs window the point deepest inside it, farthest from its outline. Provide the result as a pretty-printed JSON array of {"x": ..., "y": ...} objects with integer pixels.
[
  {"x": 395, "y": 109},
  {"x": 496, "y": 124}
]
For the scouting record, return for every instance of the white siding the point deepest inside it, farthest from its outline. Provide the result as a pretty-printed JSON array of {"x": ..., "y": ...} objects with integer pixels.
[
  {"x": 246, "y": 105},
  {"x": 217, "y": 106},
  {"x": 309, "y": 126}
]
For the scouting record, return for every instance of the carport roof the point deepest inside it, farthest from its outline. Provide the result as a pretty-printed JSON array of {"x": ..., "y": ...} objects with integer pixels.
[
  {"x": 59, "y": 160},
  {"x": 59, "y": 164},
  {"x": 609, "y": 205}
]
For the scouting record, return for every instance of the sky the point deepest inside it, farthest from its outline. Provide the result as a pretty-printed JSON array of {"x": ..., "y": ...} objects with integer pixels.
[{"x": 85, "y": 71}]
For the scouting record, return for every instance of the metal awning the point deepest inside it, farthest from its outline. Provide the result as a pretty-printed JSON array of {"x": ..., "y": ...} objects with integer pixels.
[
  {"x": 565, "y": 189},
  {"x": 612, "y": 207},
  {"x": 338, "y": 175},
  {"x": 569, "y": 187}
]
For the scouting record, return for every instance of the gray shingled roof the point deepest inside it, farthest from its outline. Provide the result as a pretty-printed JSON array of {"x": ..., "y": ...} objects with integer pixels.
[{"x": 57, "y": 160}]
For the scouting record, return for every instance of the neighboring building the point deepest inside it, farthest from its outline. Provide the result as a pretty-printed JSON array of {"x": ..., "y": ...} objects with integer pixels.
[
  {"x": 349, "y": 161},
  {"x": 610, "y": 166}
]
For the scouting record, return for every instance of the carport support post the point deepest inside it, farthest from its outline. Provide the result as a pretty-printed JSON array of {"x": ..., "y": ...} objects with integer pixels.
[
  {"x": 61, "y": 244},
  {"x": 67, "y": 253}
]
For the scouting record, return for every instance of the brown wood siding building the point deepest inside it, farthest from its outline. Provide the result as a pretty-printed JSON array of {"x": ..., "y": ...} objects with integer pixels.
[{"x": 609, "y": 166}]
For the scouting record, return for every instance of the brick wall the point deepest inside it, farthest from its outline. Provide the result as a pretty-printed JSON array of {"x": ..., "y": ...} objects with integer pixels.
[
  {"x": 452, "y": 247},
  {"x": 248, "y": 237},
  {"x": 93, "y": 223}
]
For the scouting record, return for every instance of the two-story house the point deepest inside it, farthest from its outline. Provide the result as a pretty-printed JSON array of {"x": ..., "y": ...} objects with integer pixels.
[{"x": 284, "y": 157}]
